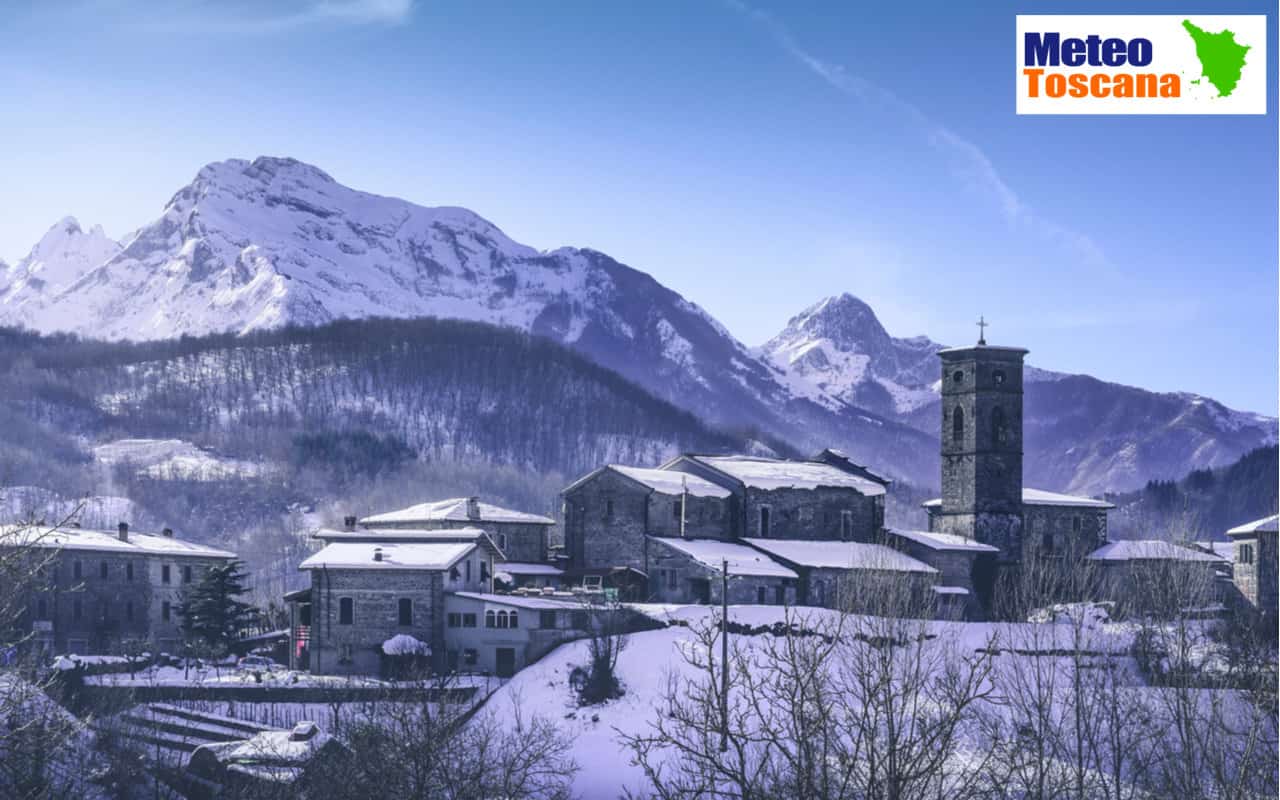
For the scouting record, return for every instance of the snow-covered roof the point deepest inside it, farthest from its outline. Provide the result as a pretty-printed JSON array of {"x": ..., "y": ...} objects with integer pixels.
[
  {"x": 523, "y": 601},
  {"x": 395, "y": 555},
  {"x": 454, "y": 510},
  {"x": 773, "y": 473},
  {"x": 528, "y": 568},
  {"x": 1269, "y": 524},
  {"x": 1148, "y": 550},
  {"x": 838, "y": 555},
  {"x": 1223, "y": 550},
  {"x": 960, "y": 590},
  {"x": 1039, "y": 497},
  {"x": 944, "y": 541},
  {"x": 670, "y": 482},
  {"x": 742, "y": 560},
  {"x": 85, "y": 539},
  {"x": 383, "y": 536}
]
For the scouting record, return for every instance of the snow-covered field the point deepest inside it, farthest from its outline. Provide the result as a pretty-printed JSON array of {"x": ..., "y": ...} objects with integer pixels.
[{"x": 652, "y": 657}]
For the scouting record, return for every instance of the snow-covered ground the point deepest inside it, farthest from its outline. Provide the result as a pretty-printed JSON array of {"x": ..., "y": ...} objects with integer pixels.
[
  {"x": 652, "y": 657},
  {"x": 173, "y": 458}
]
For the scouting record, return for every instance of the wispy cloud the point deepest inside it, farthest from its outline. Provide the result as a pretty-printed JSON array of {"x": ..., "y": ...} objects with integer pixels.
[
  {"x": 967, "y": 160},
  {"x": 240, "y": 17}
]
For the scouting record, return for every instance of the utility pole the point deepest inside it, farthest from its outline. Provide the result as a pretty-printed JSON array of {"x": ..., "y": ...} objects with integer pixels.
[
  {"x": 684, "y": 501},
  {"x": 724, "y": 654}
]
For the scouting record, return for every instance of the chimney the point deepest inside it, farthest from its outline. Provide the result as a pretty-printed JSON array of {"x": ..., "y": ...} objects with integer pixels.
[
  {"x": 473, "y": 508},
  {"x": 377, "y": 554},
  {"x": 349, "y": 523},
  {"x": 167, "y": 533},
  {"x": 123, "y": 529}
]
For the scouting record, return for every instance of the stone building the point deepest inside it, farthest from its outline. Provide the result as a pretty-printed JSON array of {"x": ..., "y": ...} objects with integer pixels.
[
  {"x": 1155, "y": 576},
  {"x": 694, "y": 569},
  {"x": 983, "y": 498},
  {"x": 1255, "y": 563},
  {"x": 522, "y": 537},
  {"x": 954, "y": 557},
  {"x": 831, "y": 573},
  {"x": 100, "y": 589},
  {"x": 369, "y": 586},
  {"x": 782, "y": 499}
]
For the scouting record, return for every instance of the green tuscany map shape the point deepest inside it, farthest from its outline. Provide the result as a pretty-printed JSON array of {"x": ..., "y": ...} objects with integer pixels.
[{"x": 1221, "y": 57}]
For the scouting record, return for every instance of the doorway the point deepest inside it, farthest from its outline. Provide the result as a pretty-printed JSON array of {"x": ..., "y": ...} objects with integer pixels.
[{"x": 505, "y": 662}]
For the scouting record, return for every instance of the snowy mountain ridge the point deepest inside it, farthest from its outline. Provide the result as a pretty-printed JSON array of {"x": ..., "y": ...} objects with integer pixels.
[{"x": 273, "y": 242}]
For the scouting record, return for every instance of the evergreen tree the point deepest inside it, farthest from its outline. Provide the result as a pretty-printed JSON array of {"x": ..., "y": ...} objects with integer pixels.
[{"x": 211, "y": 610}]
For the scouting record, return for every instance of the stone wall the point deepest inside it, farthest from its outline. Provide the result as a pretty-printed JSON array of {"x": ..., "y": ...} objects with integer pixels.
[
  {"x": 605, "y": 522},
  {"x": 1068, "y": 533},
  {"x": 1257, "y": 579},
  {"x": 704, "y": 517},
  {"x": 356, "y": 648},
  {"x": 813, "y": 514}
]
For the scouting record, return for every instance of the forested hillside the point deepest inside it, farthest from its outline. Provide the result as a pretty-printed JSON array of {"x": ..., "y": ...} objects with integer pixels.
[
  {"x": 220, "y": 436},
  {"x": 1204, "y": 503}
]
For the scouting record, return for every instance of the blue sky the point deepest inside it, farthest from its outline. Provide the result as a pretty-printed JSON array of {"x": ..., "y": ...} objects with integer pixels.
[{"x": 755, "y": 158}]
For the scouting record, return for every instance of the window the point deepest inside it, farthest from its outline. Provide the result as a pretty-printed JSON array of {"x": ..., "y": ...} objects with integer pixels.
[
  {"x": 42, "y": 608},
  {"x": 677, "y": 509},
  {"x": 345, "y": 653},
  {"x": 546, "y": 620},
  {"x": 846, "y": 525},
  {"x": 103, "y": 570},
  {"x": 406, "y": 611},
  {"x": 608, "y": 509},
  {"x": 186, "y": 574},
  {"x": 128, "y": 611},
  {"x": 77, "y": 609},
  {"x": 764, "y": 522},
  {"x": 503, "y": 622},
  {"x": 502, "y": 541},
  {"x": 1075, "y": 524},
  {"x": 999, "y": 429},
  {"x": 1047, "y": 543},
  {"x": 490, "y": 619},
  {"x": 470, "y": 657},
  {"x": 454, "y": 575},
  {"x": 957, "y": 376},
  {"x": 468, "y": 620},
  {"x": 780, "y": 595},
  {"x": 1245, "y": 554},
  {"x": 346, "y": 611},
  {"x": 166, "y": 611},
  {"x": 957, "y": 426},
  {"x": 468, "y": 569},
  {"x": 454, "y": 620},
  {"x": 761, "y": 594},
  {"x": 515, "y": 619},
  {"x": 164, "y": 574},
  {"x": 997, "y": 377},
  {"x": 128, "y": 571},
  {"x": 77, "y": 570}
]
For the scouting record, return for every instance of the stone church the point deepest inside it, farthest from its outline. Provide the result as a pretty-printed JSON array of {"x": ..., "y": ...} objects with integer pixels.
[
  {"x": 983, "y": 498},
  {"x": 794, "y": 531}
]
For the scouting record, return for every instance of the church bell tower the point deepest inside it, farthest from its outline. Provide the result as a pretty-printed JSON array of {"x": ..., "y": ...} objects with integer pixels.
[{"x": 982, "y": 446}]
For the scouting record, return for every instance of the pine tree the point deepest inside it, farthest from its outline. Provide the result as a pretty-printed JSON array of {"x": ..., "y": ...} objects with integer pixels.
[{"x": 211, "y": 611}]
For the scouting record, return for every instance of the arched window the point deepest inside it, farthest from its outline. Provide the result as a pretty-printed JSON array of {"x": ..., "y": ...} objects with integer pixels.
[
  {"x": 502, "y": 619},
  {"x": 515, "y": 619},
  {"x": 957, "y": 426},
  {"x": 999, "y": 428},
  {"x": 957, "y": 376},
  {"x": 490, "y": 619},
  {"x": 998, "y": 377}
]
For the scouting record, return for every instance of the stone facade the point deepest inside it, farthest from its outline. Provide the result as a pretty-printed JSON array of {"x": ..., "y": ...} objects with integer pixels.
[
  {"x": 1061, "y": 535},
  {"x": 982, "y": 446},
  {"x": 93, "y": 601},
  {"x": 605, "y": 522},
  {"x": 1254, "y": 570},
  {"x": 352, "y": 644}
]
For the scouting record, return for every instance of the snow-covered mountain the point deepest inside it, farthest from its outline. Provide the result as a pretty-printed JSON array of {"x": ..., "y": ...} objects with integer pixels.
[
  {"x": 263, "y": 244},
  {"x": 61, "y": 257},
  {"x": 1081, "y": 433}
]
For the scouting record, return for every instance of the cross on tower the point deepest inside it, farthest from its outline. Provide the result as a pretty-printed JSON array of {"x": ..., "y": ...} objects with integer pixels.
[{"x": 982, "y": 330}]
